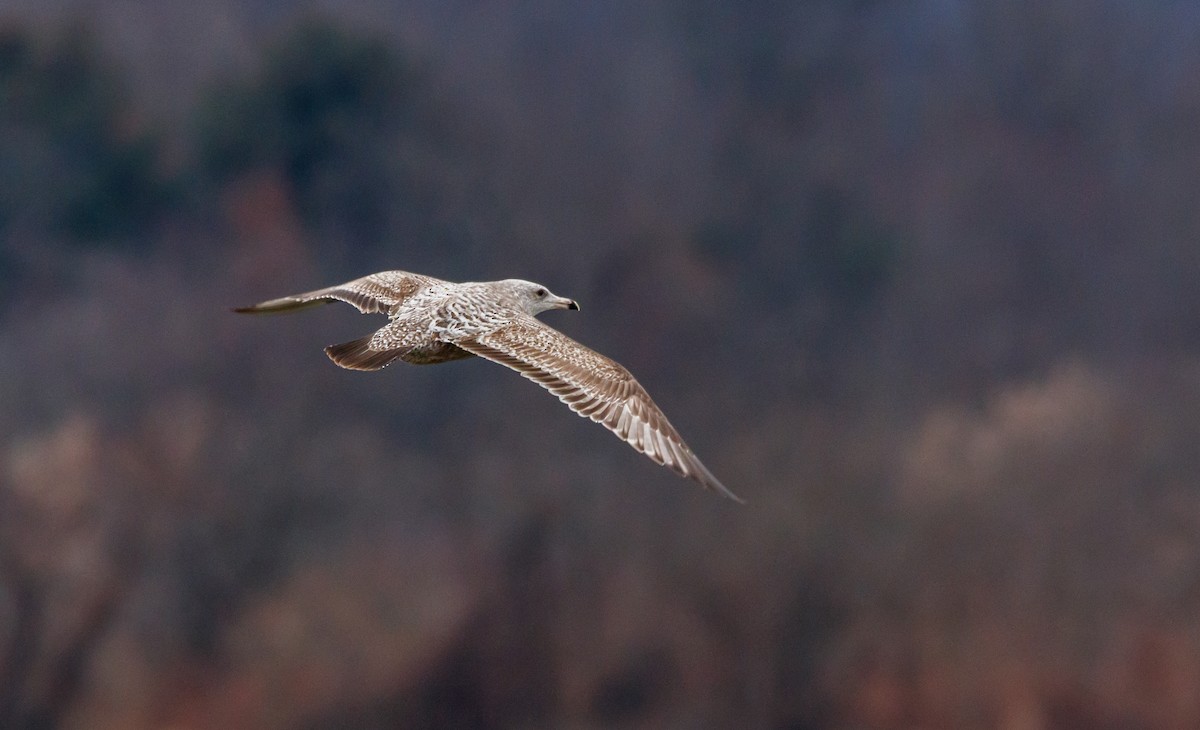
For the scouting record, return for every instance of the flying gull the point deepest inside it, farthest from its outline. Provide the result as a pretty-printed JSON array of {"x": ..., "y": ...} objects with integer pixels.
[{"x": 435, "y": 321}]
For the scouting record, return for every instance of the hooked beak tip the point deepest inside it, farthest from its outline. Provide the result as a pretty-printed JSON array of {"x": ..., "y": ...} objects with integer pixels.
[{"x": 573, "y": 305}]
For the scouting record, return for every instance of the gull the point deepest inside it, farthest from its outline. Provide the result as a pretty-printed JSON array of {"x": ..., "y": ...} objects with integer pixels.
[{"x": 434, "y": 321}]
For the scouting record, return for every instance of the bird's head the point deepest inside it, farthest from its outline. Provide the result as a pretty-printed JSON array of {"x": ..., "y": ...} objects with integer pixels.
[{"x": 533, "y": 298}]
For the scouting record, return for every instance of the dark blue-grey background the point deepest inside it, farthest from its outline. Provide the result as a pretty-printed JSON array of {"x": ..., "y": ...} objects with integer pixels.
[{"x": 919, "y": 280}]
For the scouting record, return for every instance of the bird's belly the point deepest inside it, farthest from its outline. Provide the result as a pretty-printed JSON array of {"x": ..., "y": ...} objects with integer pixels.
[{"x": 433, "y": 354}]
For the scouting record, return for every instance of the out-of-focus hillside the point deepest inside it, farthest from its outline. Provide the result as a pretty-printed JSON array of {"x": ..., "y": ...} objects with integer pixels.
[{"x": 918, "y": 280}]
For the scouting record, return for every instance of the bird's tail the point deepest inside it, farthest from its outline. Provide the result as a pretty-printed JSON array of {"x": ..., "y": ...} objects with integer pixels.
[{"x": 358, "y": 355}]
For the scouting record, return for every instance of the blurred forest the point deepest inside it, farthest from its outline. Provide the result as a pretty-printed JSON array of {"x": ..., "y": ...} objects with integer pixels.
[{"x": 920, "y": 280}]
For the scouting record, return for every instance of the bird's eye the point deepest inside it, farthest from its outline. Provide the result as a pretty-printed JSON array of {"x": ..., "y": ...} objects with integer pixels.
[{"x": 540, "y": 293}]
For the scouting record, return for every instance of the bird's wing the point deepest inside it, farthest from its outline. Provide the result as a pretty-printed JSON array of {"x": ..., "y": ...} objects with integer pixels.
[
  {"x": 377, "y": 293},
  {"x": 593, "y": 386}
]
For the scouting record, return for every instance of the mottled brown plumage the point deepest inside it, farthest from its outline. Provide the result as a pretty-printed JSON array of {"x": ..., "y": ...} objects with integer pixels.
[{"x": 434, "y": 321}]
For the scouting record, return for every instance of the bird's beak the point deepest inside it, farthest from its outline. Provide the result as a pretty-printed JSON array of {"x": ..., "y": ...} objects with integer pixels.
[{"x": 564, "y": 303}]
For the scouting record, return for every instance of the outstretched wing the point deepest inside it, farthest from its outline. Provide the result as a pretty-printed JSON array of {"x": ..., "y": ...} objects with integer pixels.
[
  {"x": 593, "y": 386},
  {"x": 377, "y": 293}
]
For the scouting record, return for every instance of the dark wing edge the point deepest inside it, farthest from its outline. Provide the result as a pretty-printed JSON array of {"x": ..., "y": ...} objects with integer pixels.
[
  {"x": 374, "y": 294},
  {"x": 607, "y": 394}
]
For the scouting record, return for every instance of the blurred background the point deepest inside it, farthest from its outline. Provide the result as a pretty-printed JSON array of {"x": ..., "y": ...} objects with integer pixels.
[{"x": 920, "y": 280}]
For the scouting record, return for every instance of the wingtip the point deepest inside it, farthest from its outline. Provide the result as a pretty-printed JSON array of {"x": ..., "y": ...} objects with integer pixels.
[
  {"x": 706, "y": 479},
  {"x": 724, "y": 492},
  {"x": 283, "y": 305},
  {"x": 712, "y": 484}
]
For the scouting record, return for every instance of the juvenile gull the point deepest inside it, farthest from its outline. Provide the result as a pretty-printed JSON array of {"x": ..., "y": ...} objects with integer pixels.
[{"x": 434, "y": 321}]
